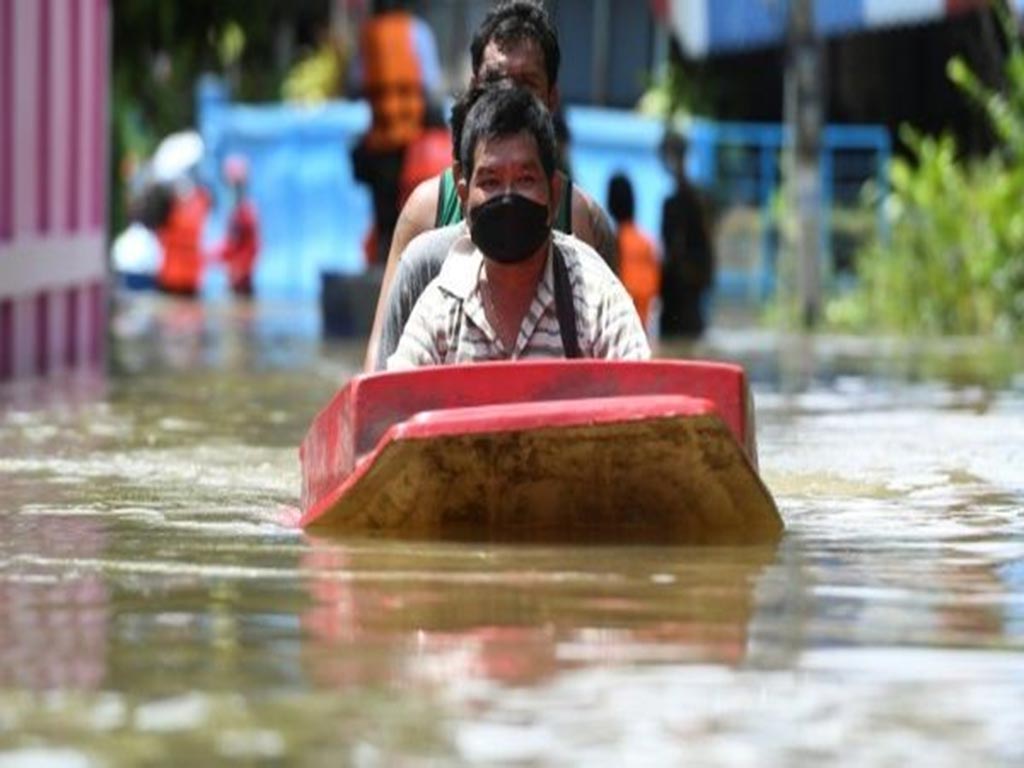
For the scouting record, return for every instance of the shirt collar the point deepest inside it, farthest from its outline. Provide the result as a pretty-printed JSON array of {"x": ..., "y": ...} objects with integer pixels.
[
  {"x": 460, "y": 278},
  {"x": 460, "y": 272}
]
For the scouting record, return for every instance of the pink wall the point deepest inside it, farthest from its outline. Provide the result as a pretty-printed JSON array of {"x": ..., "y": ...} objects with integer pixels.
[{"x": 54, "y": 72}]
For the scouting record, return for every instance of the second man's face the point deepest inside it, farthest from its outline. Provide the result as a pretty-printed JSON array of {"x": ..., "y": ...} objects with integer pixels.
[{"x": 523, "y": 63}]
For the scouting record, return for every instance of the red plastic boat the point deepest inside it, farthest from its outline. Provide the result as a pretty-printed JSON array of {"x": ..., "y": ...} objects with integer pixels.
[{"x": 561, "y": 451}]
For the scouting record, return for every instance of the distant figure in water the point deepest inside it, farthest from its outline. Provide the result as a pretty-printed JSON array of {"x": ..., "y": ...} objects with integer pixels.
[
  {"x": 136, "y": 253},
  {"x": 688, "y": 266},
  {"x": 396, "y": 68},
  {"x": 242, "y": 244},
  {"x": 428, "y": 154},
  {"x": 181, "y": 237}
]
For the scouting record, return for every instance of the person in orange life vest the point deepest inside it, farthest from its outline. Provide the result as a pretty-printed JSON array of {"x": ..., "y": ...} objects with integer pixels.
[
  {"x": 397, "y": 66},
  {"x": 181, "y": 238},
  {"x": 427, "y": 156},
  {"x": 242, "y": 243},
  {"x": 639, "y": 268}
]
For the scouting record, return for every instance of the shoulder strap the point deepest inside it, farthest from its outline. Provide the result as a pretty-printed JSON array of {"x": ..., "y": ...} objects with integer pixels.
[
  {"x": 563, "y": 216},
  {"x": 448, "y": 209},
  {"x": 565, "y": 307}
]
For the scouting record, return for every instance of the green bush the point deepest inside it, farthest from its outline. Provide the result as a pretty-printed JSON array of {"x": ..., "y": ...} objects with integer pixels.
[{"x": 953, "y": 262}]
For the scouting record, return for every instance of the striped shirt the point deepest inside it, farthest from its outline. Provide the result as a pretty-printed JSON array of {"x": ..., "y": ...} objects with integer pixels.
[{"x": 449, "y": 325}]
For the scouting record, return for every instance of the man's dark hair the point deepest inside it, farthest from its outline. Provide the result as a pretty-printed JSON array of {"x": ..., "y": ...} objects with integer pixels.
[
  {"x": 507, "y": 111},
  {"x": 620, "y": 198},
  {"x": 513, "y": 21},
  {"x": 153, "y": 207},
  {"x": 562, "y": 134},
  {"x": 672, "y": 149},
  {"x": 385, "y": 6}
]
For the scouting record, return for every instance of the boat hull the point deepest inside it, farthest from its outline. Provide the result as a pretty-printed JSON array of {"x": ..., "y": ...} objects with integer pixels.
[
  {"x": 567, "y": 451},
  {"x": 659, "y": 479}
]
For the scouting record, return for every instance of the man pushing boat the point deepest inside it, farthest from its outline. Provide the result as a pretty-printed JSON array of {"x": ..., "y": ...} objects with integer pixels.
[{"x": 511, "y": 288}]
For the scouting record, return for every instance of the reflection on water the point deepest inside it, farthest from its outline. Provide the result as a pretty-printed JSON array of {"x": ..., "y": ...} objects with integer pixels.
[
  {"x": 522, "y": 616},
  {"x": 154, "y": 609},
  {"x": 65, "y": 613}
]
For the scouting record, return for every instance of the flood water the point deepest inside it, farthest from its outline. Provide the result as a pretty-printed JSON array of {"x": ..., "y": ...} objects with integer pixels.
[{"x": 155, "y": 610}]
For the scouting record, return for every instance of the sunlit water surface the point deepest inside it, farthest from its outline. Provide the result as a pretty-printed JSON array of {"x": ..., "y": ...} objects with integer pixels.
[{"x": 155, "y": 610}]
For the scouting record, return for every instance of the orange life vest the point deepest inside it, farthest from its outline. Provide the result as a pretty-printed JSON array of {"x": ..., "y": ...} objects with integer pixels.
[
  {"x": 181, "y": 237},
  {"x": 242, "y": 244},
  {"x": 424, "y": 159},
  {"x": 638, "y": 267},
  {"x": 393, "y": 80}
]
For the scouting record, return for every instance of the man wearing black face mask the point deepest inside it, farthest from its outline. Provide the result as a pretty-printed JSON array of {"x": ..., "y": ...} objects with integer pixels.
[{"x": 512, "y": 289}]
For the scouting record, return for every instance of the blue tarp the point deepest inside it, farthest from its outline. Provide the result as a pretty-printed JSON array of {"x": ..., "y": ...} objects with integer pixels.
[
  {"x": 706, "y": 27},
  {"x": 314, "y": 216}
]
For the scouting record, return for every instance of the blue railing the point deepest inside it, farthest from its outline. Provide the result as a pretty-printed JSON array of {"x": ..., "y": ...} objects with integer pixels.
[{"x": 743, "y": 162}]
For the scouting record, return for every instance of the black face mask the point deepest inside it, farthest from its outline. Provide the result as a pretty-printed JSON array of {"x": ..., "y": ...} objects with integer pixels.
[{"x": 509, "y": 228}]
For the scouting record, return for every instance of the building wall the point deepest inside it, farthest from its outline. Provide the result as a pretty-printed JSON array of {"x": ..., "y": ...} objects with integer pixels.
[
  {"x": 610, "y": 49},
  {"x": 898, "y": 76},
  {"x": 888, "y": 74},
  {"x": 54, "y": 65}
]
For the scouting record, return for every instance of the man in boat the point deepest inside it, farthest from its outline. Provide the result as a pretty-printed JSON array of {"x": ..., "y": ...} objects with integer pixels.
[
  {"x": 511, "y": 288},
  {"x": 515, "y": 40},
  {"x": 422, "y": 259}
]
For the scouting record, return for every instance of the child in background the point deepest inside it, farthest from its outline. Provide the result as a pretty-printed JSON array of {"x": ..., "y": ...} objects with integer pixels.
[
  {"x": 639, "y": 268},
  {"x": 242, "y": 244}
]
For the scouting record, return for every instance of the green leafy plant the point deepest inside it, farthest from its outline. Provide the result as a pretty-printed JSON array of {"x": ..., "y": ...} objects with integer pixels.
[
  {"x": 675, "y": 94},
  {"x": 954, "y": 259},
  {"x": 318, "y": 77}
]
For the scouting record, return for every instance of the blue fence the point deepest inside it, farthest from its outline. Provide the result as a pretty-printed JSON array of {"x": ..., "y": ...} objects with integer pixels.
[
  {"x": 744, "y": 162},
  {"x": 314, "y": 215}
]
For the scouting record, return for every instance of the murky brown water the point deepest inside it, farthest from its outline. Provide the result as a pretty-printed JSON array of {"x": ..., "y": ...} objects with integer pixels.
[{"x": 153, "y": 610}]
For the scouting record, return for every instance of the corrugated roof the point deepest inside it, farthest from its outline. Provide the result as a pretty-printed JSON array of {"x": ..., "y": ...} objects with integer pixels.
[{"x": 706, "y": 27}]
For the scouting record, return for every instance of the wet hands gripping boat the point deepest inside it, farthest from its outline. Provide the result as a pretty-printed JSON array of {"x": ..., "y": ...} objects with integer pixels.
[{"x": 560, "y": 451}]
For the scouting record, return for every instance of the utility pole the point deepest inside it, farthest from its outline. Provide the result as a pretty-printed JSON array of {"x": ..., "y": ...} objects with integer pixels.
[
  {"x": 804, "y": 111},
  {"x": 601, "y": 36}
]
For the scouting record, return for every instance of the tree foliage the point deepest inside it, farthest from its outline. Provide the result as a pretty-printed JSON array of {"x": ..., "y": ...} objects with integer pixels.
[{"x": 160, "y": 47}]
